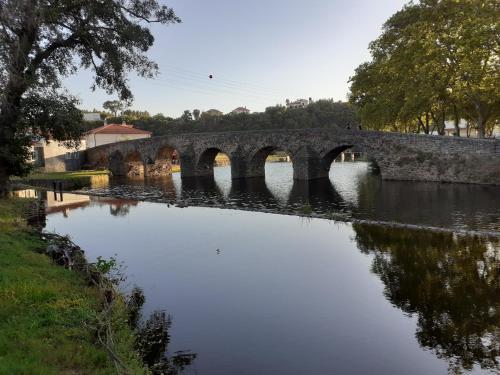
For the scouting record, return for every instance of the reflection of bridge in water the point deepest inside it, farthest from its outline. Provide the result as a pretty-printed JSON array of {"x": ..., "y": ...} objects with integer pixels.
[
  {"x": 250, "y": 194},
  {"x": 458, "y": 206}
]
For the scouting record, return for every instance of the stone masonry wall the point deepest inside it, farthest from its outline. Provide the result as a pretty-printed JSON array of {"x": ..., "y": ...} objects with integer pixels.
[{"x": 399, "y": 156}]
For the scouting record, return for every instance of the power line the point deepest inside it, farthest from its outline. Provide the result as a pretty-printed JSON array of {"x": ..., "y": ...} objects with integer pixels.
[
  {"x": 226, "y": 81},
  {"x": 198, "y": 90},
  {"x": 212, "y": 87}
]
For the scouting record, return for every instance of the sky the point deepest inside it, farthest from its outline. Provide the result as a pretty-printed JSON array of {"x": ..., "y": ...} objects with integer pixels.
[{"x": 259, "y": 52}]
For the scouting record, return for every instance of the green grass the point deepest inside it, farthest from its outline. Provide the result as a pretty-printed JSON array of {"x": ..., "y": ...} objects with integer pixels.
[
  {"x": 46, "y": 311},
  {"x": 65, "y": 175}
]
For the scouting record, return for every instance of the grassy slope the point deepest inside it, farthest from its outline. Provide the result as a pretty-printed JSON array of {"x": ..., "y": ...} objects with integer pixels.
[
  {"x": 65, "y": 175},
  {"x": 45, "y": 309}
]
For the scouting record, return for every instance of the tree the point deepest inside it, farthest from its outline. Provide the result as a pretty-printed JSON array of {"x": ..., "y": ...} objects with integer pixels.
[
  {"x": 196, "y": 114},
  {"x": 44, "y": 40},
  {"x": 435, "y": 60},
  {"x": 187, "y": 116},
  {"x": 211, "y": 113},
  {"x": 113, "y": 106}
]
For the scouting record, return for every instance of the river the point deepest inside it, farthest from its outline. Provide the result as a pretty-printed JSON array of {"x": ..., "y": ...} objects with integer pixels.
[{"x": 277, "y": 277}]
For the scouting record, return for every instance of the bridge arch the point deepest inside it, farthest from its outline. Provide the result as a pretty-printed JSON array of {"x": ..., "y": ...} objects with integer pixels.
[
  {"x": 162, "y": 160},
  {"x": 102, "y": 161},
  {"x": 327, "y": 158},
  {"x": 116, "y": 164},
  {"x": 257, "y": 160},
  {"x": 134, "y": 164},
  {"x": 331, "y": 155},
  {"x": 206, "y": 161}
]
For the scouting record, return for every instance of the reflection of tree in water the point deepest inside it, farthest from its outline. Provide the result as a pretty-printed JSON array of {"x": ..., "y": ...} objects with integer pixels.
[
  {"x": 117, "y": 207},
  {"x": 119, "y": 210},
  {"x": 153, "y": 337},
  {"x": 452, "y": 284}
]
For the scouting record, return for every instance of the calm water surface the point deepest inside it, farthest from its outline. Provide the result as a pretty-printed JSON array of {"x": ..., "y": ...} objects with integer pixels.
[
  {"x": 257, "y": 292},
  {"x": 351, "y": 193}
]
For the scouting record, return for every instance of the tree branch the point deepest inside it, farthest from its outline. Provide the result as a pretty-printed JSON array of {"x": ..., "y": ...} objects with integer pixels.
[{"x": 45, "y": 54}]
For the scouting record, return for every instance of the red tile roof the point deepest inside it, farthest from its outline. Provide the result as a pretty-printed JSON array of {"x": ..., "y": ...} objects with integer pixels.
[{"x": 117, "y": 129}]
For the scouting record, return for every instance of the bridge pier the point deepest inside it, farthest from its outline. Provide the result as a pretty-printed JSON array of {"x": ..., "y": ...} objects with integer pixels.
[
  {"x": 239, "y": 167},
  {"x": 187, "y": 162},
  {"x": 309, "y": 168}
]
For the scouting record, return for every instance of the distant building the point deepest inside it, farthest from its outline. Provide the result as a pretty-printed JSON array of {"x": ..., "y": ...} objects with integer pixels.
[
  {"x": 212, "y": 112},
  {"x": 465, "y": 131},
  {"x": 92, "y": 116},
  {"x": 111, "y": 133},
  {"x": 53, "y": 156},
  {"x": 239, "y": 110},
  {"x": 496, "y": 131},
  {"x": 299, "y": 103}
]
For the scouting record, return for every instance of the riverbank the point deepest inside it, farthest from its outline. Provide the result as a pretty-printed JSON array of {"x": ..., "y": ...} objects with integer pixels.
[
  {"x": 48, "y": 313},
  {"x": 65, "y": 180}
]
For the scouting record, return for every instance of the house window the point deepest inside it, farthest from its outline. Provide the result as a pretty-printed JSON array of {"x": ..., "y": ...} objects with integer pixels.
[
  {"x": 39, "y": 157},
  {"x": 71, "y": 155}
]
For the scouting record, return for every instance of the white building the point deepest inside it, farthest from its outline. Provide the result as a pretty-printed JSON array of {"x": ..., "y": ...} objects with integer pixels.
[
  {"x": 299, "y": 103},
  {"x": 496, "y": 131},
  {"x": 465, "y": 130},
  {"x": 53, "y": 156},
  {"x": 111, "y": 133},
  {"x": 92, "y": 116},
  {"x": 449, "y": 129}
]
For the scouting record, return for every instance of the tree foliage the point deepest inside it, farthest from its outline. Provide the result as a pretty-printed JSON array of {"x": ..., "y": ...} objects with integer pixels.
[
  {"x": 196, "y": 114},
  {"x": 44, "y": 40},
  {"x": 113, "y": 106},
  {"x": 435, "y": 60},
  {"x": 320, "y": 114},
  {"x": 187, "y": 116}
]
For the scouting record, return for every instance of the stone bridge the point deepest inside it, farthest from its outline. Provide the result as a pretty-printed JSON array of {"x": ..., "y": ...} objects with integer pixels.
[{"x": 398, "y": 156}]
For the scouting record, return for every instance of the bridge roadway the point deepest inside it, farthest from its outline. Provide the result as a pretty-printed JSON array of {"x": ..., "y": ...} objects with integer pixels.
[{"x": 398, "y": 156}]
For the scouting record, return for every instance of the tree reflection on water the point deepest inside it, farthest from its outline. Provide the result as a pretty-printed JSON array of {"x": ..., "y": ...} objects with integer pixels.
[{"x": 451, "y": 283}]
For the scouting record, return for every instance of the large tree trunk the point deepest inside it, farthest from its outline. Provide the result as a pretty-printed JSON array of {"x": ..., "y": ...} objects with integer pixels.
[
  {"x": 4, "y": 154},
  {"x": 10, "y": 110},
  {"x": 16, "y": 86},
  {"x": 481, "y": 126},
  {"x": 457, "y": 121},
  {"x": 422, "y": 125},
  {"x": 4, "y": 180},
  {"x": 482, "y": 115},
  {"x": 439, "y": 122}
]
